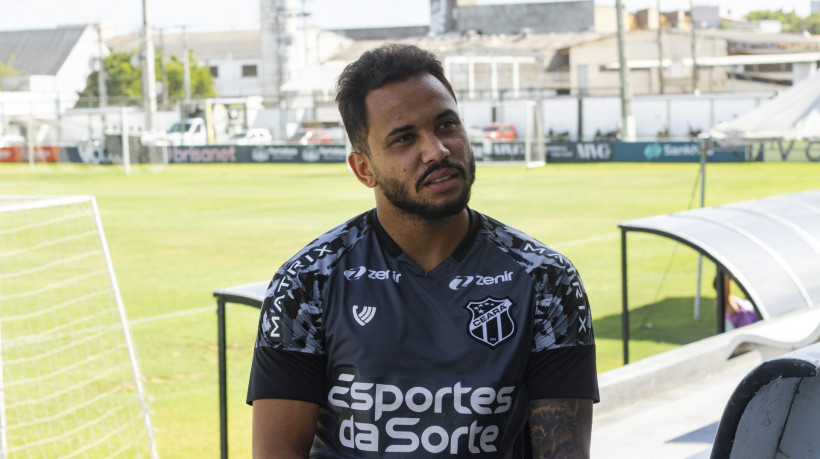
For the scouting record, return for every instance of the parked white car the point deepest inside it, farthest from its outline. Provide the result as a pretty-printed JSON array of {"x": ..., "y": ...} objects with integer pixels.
[
  {"x": 12, "y": 140},
  {"x": 253, "y": 136}
]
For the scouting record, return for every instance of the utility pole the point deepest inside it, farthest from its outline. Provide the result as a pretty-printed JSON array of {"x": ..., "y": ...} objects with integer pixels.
[
  {"x": 660, "y": 49},
  {"x": 162, "y": 67},
  {"x": 186, "y": 66},
  {"x": 149, "y": 91},
  {"x": 101, "y": 77},
  {"x": 101, "y": 85},
  {"x": 280, "y": 61},
  {"x": 694, "y": 61},
  {"x": 627, "y": 119}
]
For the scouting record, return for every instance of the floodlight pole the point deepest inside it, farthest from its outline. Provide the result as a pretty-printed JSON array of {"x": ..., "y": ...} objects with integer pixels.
[
  {"x": 705, "y": 145},
  {"x": 149, "y": 91},
  {"x": 627, "y": 119}
]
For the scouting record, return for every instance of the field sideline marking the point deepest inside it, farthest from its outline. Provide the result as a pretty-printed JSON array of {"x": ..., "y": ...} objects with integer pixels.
[{"x": 171, "y": 315}]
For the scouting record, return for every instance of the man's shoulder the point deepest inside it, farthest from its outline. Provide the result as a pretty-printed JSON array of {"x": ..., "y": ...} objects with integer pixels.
[
  {"x": 520, "y": 246},
  {"x": 322, "y": 253}
]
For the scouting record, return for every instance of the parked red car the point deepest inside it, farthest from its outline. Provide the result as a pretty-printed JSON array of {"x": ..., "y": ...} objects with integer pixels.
[
  {"x": 310, "y": 136},
  {"x": 500, "y": 132}
]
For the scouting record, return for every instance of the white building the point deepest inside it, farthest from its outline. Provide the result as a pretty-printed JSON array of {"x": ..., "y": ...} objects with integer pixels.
[
  {"x": 232, "y": 56},
  {"x": 53, "y": 66}
]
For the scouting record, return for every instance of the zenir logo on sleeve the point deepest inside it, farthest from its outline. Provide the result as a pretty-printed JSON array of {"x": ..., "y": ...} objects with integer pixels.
[{"x": 491, "y": 322}]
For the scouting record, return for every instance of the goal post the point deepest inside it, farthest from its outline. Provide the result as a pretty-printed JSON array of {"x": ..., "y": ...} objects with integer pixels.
[
  {"x": 535, "y": 149},
  {"x": 112, "y": 135},
  {"x": 506, "y": 132},
  {"x": 70, "y": 384}
]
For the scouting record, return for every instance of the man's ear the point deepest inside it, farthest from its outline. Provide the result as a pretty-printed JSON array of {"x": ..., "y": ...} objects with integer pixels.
[{"x": 360, "y": 165}]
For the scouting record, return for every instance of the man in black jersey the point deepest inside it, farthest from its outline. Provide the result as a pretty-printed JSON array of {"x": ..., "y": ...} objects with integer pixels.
[{"x": 421, "y": 328}]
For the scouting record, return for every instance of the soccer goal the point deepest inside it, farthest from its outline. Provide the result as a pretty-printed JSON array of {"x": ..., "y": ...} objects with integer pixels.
[
  {"x": 508, "y": 131},
  {"x": 70, "y": 385},
  {"x": 111, "y": 135},
  {"x": 535, "y": 151}
]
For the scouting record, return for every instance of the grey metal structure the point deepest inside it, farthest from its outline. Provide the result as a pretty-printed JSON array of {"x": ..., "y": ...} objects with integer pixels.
[
  {"x": 248, "y": 294},
  {"x": 773, "y": 412},
  {"x": 770, "y": 246}
]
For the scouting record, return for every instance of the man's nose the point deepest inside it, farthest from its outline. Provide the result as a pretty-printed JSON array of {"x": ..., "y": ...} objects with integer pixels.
[{"x": 433, "y": 149}]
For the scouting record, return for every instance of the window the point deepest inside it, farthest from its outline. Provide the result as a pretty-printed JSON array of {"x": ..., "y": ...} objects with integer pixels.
[
  {"x": 214, "y": 71},
  {"x": 249, "y": 70}
]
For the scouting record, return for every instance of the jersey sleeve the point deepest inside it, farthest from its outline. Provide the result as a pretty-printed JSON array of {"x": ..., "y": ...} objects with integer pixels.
[
  {"x": 562, "y": 316},
  {"x": 562, "y": 360},
  {"x": 286, "y": 374},
  {"x": 288, "y": 359},
  {"x": 568, "y": 372}
]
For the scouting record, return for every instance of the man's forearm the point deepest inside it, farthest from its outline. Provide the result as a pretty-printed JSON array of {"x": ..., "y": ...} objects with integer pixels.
[{"x": 561, "y": 428}]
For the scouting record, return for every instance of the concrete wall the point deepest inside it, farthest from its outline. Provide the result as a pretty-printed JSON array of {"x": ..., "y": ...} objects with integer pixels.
[
  {"x": 577, "y": 16},
  {"x": 643, "y": 45},
  {"x": 230, "y": 82}
]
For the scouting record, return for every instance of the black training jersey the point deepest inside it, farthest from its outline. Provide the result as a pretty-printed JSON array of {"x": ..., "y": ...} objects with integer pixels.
[{"x": 407, "y": 363}]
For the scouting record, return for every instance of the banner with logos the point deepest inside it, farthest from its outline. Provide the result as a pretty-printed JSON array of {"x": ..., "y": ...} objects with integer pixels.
[
  {"x": 556, "y": 152},
  {"x": 674, "y": 152},
  {"x": 15, "y": 154}
]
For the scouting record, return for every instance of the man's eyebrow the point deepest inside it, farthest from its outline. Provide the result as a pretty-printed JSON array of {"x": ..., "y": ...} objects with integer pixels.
[
  {"x": 445, "y": 114},
  {"x": 399, "y": 130},
  {"x": 409, "y": 127}
]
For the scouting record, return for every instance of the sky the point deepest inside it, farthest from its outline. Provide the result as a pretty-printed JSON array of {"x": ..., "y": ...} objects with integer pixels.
[{"x": 125, "y": 16}]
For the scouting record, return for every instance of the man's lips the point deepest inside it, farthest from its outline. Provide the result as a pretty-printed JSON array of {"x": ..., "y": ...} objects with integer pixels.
[{"x": 439, "y": 174}]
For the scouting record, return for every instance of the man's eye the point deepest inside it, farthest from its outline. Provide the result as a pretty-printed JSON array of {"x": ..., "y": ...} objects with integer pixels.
[{"x": 447, "y": 125}]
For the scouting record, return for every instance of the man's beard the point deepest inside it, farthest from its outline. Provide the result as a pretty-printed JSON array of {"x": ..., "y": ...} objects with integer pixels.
[{"x": 398, "y": 195}]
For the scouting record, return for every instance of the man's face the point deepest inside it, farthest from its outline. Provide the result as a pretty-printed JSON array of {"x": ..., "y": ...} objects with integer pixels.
[{"x": 419, "y": 152}]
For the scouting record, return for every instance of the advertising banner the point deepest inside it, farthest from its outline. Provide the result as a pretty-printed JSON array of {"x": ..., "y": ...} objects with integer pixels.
[
  {"x": 673, "y": 152},
  {"x": 258, "y": 154},
  {"x": 557, "y": 151},
  {"x": 10, "y": 154},
  {"x": 579, "y": 152}
]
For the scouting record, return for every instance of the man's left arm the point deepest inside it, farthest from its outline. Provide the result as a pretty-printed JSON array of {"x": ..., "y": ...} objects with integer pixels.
[{"x": 560, "y": 427}]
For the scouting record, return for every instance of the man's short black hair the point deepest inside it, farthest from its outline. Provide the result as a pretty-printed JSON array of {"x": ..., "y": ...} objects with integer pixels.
[{"x": 374, "y": 69}]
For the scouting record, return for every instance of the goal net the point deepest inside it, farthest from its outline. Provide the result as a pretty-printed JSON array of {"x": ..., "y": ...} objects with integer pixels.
[
  {"x": 508, "y": 132},
  {"x": 69, "y": 381},
  {"x": 112, "y": 135},
  {"x": 535, "y": 151}
]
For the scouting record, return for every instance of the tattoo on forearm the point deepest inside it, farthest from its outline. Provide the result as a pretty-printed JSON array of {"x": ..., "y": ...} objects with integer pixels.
[{"x": 560, "y": 428}]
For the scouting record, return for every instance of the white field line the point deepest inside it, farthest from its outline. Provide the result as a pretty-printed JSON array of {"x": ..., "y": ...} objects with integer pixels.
[{"x": 171, "y": 315}]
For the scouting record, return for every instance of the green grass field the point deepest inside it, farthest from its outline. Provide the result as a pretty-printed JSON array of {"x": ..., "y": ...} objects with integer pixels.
[{"x": 177, "y": 235}]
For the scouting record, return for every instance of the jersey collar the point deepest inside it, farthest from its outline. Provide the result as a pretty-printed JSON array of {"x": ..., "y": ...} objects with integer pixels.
[{"x": 394, "y": 250}]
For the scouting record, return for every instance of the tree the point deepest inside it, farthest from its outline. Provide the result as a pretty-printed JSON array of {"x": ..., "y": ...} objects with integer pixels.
[
  {"x": 202, "y": 82},
  {"x": 124, "y": 81},
  {"x": 7, "y": 69},
  {"x": 812, "y": 24},
  {"x": 792, "y": 23}
]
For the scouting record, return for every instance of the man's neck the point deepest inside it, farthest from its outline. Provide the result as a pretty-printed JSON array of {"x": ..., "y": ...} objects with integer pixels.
[{"x": 428, "y": 243}]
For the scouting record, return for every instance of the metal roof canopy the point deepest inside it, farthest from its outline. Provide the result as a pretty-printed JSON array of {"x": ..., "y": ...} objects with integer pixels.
[{"x": 769, "y": 246}]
